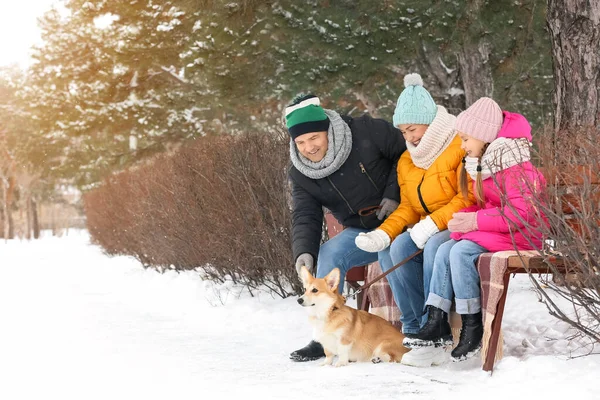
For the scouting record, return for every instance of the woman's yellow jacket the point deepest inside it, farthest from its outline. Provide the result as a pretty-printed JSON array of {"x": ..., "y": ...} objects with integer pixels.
[{"x": 434, "y": 192}]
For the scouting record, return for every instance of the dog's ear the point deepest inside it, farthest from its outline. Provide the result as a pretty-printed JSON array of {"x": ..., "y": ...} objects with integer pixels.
[
  {"x": 333, "y": 279},
  {"x": 305, "y": 277}
]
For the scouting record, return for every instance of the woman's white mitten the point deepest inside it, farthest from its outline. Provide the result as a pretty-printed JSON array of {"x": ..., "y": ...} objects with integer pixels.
[{"x": 373, "y": 241}]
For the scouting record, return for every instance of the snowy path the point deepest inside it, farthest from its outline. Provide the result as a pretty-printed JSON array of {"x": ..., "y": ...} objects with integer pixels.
[{"x": 76, "y": 324}]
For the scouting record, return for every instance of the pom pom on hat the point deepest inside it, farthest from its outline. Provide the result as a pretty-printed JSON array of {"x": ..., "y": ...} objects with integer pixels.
[{"x": 413, "y": 80}]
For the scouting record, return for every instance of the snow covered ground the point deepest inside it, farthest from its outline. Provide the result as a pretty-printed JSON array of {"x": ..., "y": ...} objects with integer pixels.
[{"x": 76, "y": 324}]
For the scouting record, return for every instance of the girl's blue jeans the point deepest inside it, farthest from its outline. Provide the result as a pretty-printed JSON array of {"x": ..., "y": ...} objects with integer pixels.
[{"x": 455, "y": 276}]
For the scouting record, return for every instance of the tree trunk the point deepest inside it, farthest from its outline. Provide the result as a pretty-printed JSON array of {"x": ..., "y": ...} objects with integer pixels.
[
  {"x": 11, "y": 225},
  {"x": 447, "y": 78},
  {"x": 475, "y": 70},
  {"x": 28, "y": 207},
  {"x": 575, "y": 36},
  {"x": 35, "y": 219},
  {"x": 5, "y": 223},
  {"x": 474, "y": 55},
  {"x": 8, "y": 197}
]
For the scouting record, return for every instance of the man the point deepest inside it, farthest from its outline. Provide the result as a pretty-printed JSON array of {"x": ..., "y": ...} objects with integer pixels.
[{"x": 347, "y": 165}]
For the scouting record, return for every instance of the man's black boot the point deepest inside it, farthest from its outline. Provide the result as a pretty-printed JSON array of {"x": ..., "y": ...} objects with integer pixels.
[
  {"x": 436, "y": 331},
  {"x": 312, "y": 351},
  {"x": 470, "y": 337}
]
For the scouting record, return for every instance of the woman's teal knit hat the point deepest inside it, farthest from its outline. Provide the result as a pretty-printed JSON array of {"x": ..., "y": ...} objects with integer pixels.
[{"x": 415, "y": 105}]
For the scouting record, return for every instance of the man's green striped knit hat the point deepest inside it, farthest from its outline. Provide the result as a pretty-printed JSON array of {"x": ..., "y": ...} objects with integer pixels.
[{"x": 305, "y": 115}]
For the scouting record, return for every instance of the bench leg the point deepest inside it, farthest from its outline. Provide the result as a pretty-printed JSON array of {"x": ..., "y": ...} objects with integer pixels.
[
  {"x": 365, "y": 301},
  {"x": 359, "y": 300},
  {"x": 488, "y": 364}
]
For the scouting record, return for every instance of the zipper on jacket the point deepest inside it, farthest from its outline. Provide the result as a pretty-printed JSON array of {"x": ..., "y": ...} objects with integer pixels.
[
  {"x": 341, "y": 195},
  {"x": 421, "y": 197},
  {"x": 364, "y": 171}
]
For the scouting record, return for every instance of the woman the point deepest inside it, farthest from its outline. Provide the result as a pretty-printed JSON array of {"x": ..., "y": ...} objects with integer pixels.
[{"x": 428, "y": 176}]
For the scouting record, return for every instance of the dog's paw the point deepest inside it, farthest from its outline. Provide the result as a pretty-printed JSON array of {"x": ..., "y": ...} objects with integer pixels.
[
  {"x": 327, "y": 361},
  {"x": 340, "y": 363},
  {"x": 376, "y": 360}
]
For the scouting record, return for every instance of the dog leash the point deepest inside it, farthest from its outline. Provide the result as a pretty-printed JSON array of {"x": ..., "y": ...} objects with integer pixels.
[{"x": 368, "y": 285}]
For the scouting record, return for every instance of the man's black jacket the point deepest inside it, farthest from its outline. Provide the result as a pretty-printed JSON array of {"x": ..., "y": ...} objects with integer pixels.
[{"x": 367, "y": 176}]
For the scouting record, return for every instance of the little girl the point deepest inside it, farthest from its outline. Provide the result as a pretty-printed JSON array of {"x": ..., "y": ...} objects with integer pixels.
[{"x": 504, "y": 181}]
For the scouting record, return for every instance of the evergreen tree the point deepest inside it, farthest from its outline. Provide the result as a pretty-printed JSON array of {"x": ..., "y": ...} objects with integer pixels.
[
  {"x": 117, "y": 81},
  {"x": 106, "y": 81}
]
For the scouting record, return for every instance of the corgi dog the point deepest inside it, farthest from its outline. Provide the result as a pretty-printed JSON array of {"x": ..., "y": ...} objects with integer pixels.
[{"x": 349, "y": 334}]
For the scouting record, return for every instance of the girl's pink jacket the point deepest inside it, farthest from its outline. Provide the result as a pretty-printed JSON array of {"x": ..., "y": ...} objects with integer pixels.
[{"x": 515, "y": 185}]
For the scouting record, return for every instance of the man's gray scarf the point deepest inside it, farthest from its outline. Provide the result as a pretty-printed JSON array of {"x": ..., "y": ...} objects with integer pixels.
[{"x": 339, "y": 139}]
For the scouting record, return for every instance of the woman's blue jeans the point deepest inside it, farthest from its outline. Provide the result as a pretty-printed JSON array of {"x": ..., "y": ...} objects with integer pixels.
[
  {"x": 455, "y": 275},
  {"x": 410, "y": 282}
]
